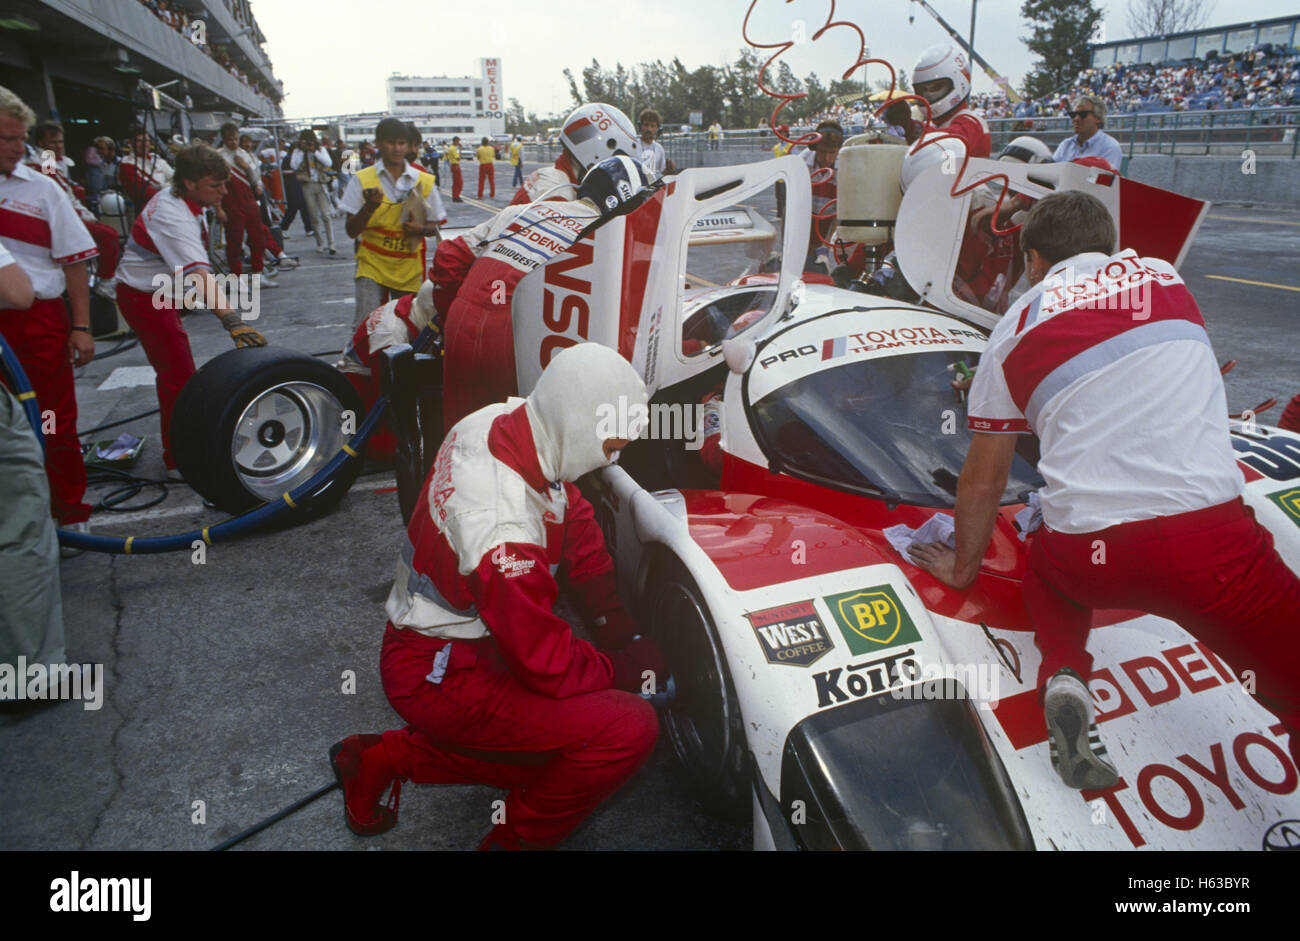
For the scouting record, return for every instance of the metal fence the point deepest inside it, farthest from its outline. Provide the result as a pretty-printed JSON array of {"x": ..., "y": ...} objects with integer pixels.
[{"x": 1269, "y": 132}]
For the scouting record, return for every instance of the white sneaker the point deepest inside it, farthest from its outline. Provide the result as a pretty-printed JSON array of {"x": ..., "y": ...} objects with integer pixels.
[
  {"x": 286, "y": 262},
  {"x": 107, "y": 288},
  {"x": 269, "y": 281},
  {"x": 1077, "y": 753},
  {"x": 320, "y": 249}
]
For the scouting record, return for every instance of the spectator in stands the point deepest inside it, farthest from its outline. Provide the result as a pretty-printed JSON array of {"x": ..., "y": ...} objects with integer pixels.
[{"x": 1089, "y": 140}]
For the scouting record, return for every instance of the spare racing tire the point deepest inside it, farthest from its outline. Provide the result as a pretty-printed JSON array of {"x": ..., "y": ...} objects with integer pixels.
[{"x": 254, "y": 424}]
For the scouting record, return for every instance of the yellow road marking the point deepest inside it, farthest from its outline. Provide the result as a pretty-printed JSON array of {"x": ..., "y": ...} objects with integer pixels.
[{"x": 1262, "y": 284}]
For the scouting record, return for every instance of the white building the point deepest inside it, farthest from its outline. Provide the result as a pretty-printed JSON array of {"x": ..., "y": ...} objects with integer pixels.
[{"x": 443, "y": 106}]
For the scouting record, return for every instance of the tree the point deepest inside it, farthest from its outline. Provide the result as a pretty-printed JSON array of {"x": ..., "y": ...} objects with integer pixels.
[
  {"x": 1161, "y": 17},
  {"x": 1060, "y": 31}
]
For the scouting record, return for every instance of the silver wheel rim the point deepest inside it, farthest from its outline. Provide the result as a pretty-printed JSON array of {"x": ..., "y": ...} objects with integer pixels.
[{"x": 286, "y": 434}]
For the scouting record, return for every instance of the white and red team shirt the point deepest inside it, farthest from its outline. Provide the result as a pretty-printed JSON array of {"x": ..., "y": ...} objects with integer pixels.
[
  {"x": 242, "y": 169},
  {"x": 559, "y": 181},
  {"x": 390, "y": 324},
  {"x": 1108, "y": 362},
  {"x": 41, "y": 230},
  {"x": 59, "y": 174},
  {"x": 170, "y": 235},
  {"x": 142, "y": 179},
  {"x": 970, "y": 127},
  {"x": 484, "y": 545}
]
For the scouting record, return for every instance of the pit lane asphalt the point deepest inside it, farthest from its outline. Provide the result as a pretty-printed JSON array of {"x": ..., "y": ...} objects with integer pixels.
[{"x": 224, "y": 680}]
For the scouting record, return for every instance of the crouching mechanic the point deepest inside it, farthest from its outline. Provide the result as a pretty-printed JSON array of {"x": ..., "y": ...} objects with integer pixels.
[
  {"x": 1123, "y": 391},
  {"x": 494, "y": 687}
]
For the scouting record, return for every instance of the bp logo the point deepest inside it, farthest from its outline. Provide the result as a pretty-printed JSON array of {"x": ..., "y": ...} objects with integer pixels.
[
  {"x": 1289, "y": 501},
  {"x": 872, "y": 619}
]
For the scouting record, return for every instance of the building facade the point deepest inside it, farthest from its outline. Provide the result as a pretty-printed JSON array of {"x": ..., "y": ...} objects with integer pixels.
[
  {"x": 442, "y": 106},
  {"x": 1218, "y": 41}
]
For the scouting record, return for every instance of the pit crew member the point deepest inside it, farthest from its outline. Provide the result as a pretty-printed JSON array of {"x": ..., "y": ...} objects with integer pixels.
[
  {"x": 590, "y": 134},
  {"x": 486, "y": 676},
  {"x": 169, "y": 238},
  {"x": 942, "y": 77},
  {"x": 452, "y": 156},
  {"x": 142, "y": 173},
  {"x": 40, "y": 229},
  {"x": 1129, "y": 405},
  {"x": 243, "y": 214}
]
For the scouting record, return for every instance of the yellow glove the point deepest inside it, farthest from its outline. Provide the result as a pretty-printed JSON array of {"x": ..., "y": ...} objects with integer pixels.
[{"x": 246, "y": 336}]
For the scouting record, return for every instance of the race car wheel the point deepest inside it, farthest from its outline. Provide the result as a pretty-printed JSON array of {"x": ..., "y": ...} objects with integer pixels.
[
  {"x": 703, "y": 723},
  {"x": 256, "y": 423}
]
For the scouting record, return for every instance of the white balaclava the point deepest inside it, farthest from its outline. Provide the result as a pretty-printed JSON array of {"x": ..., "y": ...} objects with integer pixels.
[{"x": 588, "y": 393}]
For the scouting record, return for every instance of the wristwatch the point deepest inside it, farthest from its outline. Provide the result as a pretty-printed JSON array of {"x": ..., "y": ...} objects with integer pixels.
[{"x": 81, "y": 328}]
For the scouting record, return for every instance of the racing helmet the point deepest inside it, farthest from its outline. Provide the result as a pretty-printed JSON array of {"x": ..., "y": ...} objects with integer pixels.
[
  {"x": 596, "y": 131},
  {"x": 944, "y": 61},
  {"x": 111, "y": 203},
  {"x": 615, "y": 186},
  {"x": 931, "y": 150},
  {"x": 1026, "y": 149}
]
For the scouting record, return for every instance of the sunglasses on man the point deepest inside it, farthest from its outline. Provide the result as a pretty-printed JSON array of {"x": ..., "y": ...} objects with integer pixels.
[{"x": 1080, "y": 114}]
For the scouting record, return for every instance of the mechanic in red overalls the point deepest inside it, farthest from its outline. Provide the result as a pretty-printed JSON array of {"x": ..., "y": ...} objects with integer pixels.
[
  {"x": 590, "y": 134},
  {"x": 942, "y": 77},
  {"x": 1142, "y": 510},
  {"x": 240, "y": 205},
  {"x": 494, "y": 687}
]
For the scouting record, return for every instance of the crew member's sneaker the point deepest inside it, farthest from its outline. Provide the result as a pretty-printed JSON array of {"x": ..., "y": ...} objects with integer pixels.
[
  {"x": 286, "y": 261},
  {"x": 107, "y": 288},
  {"x": 1076, "y": 750},
  {"x": 361, "y": 767}
]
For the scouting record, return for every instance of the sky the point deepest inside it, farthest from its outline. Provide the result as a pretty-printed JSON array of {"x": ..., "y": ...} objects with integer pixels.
[{"x": 334, "y": 56}]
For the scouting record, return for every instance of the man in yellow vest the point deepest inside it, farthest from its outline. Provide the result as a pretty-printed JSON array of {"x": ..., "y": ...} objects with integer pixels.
[
  {"x": 517, "y": 161},
  {"x": 452, "y": 156},
  {"x": 486, "y": 156},
  {"x": 390, "y": 251}
]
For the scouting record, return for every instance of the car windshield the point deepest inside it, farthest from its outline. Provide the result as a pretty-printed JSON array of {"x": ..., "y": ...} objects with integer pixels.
[{"x": 889, "y": 426}]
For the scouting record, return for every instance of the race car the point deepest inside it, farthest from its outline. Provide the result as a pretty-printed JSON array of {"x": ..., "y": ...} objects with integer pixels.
[{"x": 823, "y": 683}]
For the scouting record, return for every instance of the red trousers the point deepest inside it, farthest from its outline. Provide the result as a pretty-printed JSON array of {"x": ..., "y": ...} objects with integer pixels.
[
  {"x": 165, "y": 342},
  {"x": 110, "y": 250},
  {"x": 1214, "y": 572},
  {"x": 487, "y": 171},
  {"x": 382, "y": 444},
  {"x": 243, "y": 214},
  {"x": 39, "y": 338},
  {"x": 457, "y": 181},
  {"x": 582, "y": 748}
]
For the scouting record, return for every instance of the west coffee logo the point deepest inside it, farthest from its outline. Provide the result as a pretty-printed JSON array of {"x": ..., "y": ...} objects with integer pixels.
[{"x": 791, "y": 634}]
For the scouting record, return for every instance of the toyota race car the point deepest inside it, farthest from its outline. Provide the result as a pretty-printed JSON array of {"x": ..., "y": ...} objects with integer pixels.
[{"x": 823, "y": 683}]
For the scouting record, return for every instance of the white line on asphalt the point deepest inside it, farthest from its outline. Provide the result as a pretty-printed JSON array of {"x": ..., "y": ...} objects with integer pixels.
[
  {"x": 115, "y": 518},
  {"x": 342, "y": 300}
]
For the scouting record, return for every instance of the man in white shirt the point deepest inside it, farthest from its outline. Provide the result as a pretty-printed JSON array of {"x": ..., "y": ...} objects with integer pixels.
[
  {"x": 40, "y": 229},
  {"x": 311, "y": 162},
  {"x": 1106, "y": 359},
  {"x": 649, "y": 152},
  {"x": 1089, "y": 140}
]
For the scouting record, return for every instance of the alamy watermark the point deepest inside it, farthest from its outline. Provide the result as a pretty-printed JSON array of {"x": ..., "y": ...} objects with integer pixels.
[
  {"x": 979, "y": 682},
  {"x": 660, "y": 422},
  {"x": 34, "y": 681},
  {"x": 237, "y": 292},
  {"x": 1122, "y": 284}
]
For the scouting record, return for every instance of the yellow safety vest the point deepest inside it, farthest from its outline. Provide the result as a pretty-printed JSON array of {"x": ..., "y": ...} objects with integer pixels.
[
  {"x": 486, "y": 154},
  {"x": 383, "y": 253},
  {"x": 514, "y": 153},
  {"x": 453, "y": 154},
  {"x": 781, "y": 148}
]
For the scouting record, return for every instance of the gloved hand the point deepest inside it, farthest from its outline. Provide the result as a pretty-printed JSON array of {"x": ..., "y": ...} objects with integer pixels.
[
  {"x": 640, "y": 655},
  {"x": 246, "y": 336}
]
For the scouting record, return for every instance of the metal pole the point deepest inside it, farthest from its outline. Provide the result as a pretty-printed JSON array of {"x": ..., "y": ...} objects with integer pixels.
[{"x": 970, "y": 46}]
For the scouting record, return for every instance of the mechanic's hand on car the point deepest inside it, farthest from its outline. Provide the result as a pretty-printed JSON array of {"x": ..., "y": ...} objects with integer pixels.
[
  {"x": 939, "y": 561},
  {"x": 632, "y": 662}
]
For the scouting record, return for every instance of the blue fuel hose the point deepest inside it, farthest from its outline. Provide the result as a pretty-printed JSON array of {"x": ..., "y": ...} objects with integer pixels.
[{"x": 227, "y": 529}]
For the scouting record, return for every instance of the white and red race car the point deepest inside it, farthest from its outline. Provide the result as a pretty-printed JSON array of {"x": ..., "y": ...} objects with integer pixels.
[{"x": 824, "y": 683}]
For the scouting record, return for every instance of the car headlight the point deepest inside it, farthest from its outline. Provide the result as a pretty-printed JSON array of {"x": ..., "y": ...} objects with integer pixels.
[{"x": 892, "y": 774}]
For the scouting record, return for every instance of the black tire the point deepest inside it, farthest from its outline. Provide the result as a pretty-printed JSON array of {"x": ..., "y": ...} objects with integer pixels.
[
  {"x": 287, "y": 408},
  {"x": 704, "y": 724}
]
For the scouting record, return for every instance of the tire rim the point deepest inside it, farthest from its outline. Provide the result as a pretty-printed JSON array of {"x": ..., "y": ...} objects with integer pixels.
[
  {"x": 285, "y": 435},
  {"x": 700, "y": 719}
]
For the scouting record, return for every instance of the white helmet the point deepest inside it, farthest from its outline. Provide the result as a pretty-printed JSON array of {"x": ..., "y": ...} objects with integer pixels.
[
  {"x": 596, "y": 131},
  {"x": 111, "y": 204},
  {"x": 940, "y": 62},
  {"x": 933, "y": 149},
  {"x": 1026, "y": 149}
]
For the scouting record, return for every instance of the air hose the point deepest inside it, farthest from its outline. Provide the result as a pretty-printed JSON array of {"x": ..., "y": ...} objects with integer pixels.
[{"x": 228, "y": 529}]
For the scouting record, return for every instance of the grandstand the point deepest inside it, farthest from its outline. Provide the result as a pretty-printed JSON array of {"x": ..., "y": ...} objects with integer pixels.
[{"x": 1245, "y": 65}]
